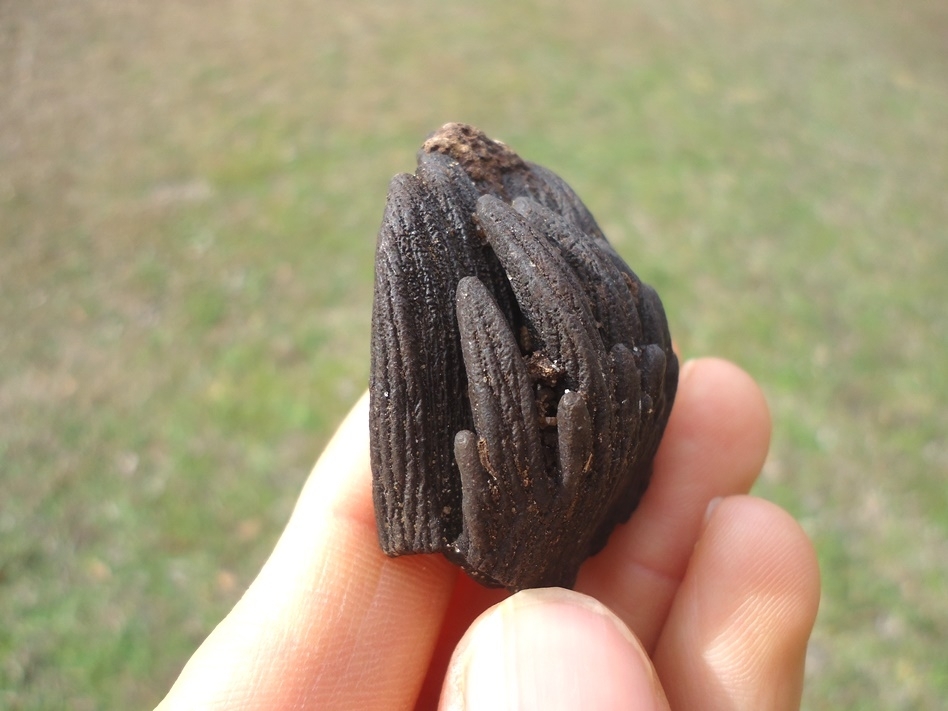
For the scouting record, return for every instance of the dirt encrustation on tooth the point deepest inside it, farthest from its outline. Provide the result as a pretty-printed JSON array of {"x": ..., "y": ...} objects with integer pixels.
[{"x": 484, "y": 160}]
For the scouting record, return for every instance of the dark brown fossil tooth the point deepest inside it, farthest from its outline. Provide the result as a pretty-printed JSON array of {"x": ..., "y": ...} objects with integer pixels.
[
  {"x": 606, "y": 288},
  {"x": 521, "y": 374}
]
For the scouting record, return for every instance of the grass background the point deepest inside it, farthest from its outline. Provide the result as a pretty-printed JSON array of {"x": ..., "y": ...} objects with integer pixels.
[{"x": 189, "y": 195}]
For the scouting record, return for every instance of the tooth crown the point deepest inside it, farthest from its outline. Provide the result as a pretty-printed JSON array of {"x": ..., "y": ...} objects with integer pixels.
[{"x": 521, "y": 374}]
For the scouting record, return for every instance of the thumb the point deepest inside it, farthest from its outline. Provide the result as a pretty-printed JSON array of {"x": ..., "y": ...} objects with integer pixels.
[{"x": 550, "y": 649}]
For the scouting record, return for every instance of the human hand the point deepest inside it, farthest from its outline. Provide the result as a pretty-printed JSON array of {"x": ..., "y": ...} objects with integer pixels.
[{"x": 690, "y": 606}]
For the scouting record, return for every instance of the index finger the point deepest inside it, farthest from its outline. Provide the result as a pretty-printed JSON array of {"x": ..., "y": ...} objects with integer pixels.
[{"x": 330, "y": 620}]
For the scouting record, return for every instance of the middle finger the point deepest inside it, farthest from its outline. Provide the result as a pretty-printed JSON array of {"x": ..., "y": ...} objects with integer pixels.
[{"x": 714, "y": 445}]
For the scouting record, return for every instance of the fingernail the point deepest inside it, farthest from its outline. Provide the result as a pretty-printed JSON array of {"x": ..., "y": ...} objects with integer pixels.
[
  {"x": 550, "y": 649},
  {"x": 685, "y": 369},
  {"x": 712, "y": 505}
]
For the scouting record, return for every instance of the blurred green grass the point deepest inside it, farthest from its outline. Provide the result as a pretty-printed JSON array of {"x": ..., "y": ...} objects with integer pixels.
[{"x": 189, "y": 195}]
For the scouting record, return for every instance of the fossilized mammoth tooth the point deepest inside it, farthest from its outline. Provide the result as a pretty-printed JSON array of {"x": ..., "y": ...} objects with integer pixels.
[{"x": 521, "y": 376}]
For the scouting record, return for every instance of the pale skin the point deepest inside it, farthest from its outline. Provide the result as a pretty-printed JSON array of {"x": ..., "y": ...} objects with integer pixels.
[{"x": 704, "y": 600}]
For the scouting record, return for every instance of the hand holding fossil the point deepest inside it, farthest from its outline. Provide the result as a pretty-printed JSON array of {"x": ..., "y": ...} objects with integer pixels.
[
  {"x": 722, "y": 605},
  {"x": 522, "y": 379}
]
